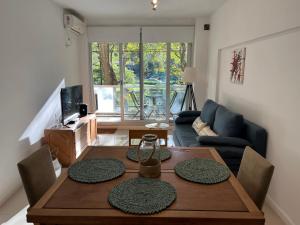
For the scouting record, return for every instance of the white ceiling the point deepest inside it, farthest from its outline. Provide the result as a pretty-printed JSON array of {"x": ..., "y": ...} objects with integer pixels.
[{"x": 121, "y": 12}]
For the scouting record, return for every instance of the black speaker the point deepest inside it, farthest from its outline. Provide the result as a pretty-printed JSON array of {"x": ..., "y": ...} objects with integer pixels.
[
  {"x": 83, "y": 110},
  {"x": 206, "y": 27}
]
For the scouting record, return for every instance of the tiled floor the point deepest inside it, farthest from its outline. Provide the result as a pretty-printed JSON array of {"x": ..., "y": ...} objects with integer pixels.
[
  {"x": 14, "y": 210},
  {"x": 120, "y": 138}
]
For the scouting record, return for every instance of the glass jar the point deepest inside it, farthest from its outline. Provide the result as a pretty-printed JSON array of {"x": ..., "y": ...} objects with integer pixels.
[{"x": 149, "y": 156}]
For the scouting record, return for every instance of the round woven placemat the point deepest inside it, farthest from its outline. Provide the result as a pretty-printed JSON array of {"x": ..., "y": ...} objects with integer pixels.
[
  {"x": 132, "y": 154},
  {"x": 142, "y": 196},
  {"x": 204, "y": 171},
  {"x": 96, "y": 170}
]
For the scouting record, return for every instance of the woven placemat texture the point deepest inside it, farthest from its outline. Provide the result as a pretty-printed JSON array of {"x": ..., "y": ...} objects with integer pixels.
[
  {"x": 132, "y": 154},
  {"x": 142, "y": 196},
  {"x": 96, "y": 170},
  {"x": 204, "y": 171}
]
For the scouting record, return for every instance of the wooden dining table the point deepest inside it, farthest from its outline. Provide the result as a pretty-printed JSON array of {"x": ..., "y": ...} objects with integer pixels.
[{"x": 70, "y": 202}]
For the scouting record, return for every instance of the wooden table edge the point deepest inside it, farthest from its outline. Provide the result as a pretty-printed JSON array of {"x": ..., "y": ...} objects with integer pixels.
[
  {"x": 95, "y": 215},
  {"x": 37, "y": 213}
]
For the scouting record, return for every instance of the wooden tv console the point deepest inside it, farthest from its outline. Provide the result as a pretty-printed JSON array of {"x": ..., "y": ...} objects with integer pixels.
[{"x": 68, "y": 142}]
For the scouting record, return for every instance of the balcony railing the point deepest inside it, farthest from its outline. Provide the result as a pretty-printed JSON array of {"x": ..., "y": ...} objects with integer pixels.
[{"x": 109, "y": 100}]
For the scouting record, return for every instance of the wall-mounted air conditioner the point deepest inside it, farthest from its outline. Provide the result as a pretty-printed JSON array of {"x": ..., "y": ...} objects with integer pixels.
[{"x": 74, "y": 23}]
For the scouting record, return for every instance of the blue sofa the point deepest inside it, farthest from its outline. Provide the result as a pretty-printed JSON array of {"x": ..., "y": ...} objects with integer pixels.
[{"x": 234, "y": 133}]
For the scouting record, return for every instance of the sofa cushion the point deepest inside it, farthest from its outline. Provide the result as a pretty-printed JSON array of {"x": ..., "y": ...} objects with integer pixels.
[
  {"x": 185, "y": 120},
  {"x": 227, "y": 123},
  {"x": 192, "y": 113},
  {"x": 208, "y": 112},
  {"x": 185, "y": 135},
  {"x": 198, "y": 125},
  {"x": 220, "y": 140}
]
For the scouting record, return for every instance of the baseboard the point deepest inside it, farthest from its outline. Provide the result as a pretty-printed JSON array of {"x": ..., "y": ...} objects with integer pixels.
[{"x": 279, "y": 211}]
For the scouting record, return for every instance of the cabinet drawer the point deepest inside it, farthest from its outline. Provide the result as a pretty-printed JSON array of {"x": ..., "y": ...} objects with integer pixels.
[{"x": 81, "y": 138}]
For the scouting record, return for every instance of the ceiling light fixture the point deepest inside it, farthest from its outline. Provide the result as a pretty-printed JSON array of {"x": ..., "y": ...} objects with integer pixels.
[{"x": 154, "y": 4}]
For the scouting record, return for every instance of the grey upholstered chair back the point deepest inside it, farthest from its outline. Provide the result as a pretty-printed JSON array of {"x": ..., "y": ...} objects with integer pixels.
[
  {"x": 37, "y": 174},
  {"x": 255, "y": 175}
]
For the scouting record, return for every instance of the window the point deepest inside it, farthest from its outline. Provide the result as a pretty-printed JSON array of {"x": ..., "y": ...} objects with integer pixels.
[{"x": 127, "y": 91}]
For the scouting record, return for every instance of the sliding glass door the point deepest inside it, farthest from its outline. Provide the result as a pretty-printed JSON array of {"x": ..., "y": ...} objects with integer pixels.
[
  {"x": 180, "y": 57},
  {"x": 125, "y": 91},
  {"x": 131, "y": 82},
  {"x": 106, "y": 79},
  {"x": 155, "y": 75}
]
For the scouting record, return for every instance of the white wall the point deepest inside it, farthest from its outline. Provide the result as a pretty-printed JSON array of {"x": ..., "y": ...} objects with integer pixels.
[
  {"x": 33, "y": 62},
  {"x": 270, "y": 30},
  {"x": 200, "y": 60}
]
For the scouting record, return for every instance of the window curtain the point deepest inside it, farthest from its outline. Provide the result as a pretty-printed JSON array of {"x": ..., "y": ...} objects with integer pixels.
[
  {"x": 113, "y": 34},
  {"x": 168, "y": 34}
]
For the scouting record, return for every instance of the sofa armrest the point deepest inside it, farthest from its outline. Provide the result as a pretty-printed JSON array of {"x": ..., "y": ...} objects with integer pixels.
[
  {"x": 184, "y": 114},
  {"x": 185, "y": 120},
  {"x": 219, "y": 140}
]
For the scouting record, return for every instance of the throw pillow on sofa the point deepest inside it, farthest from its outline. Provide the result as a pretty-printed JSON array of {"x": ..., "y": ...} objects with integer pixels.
[
  {"x": 198, "y": 125},
  {"x": 227, "y": 123},
  {"x": 206, "y": 131},
  {"x": 208, "y": 112}
]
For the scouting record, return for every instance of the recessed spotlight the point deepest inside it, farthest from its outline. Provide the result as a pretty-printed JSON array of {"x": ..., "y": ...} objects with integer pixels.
[{"x": 154, "y": 4}]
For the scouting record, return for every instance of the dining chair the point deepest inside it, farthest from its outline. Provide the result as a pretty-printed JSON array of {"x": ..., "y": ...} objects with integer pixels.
[
  {"x": 37, "y": 174},
  {"x": 255, "y": 175}
]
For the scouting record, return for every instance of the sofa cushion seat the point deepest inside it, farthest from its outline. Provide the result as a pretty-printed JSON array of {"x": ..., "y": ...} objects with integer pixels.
[{"x": 186, "y": 135}]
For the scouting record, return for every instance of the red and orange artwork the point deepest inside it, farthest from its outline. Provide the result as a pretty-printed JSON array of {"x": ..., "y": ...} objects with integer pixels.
[{"x": 238, "y": 66}]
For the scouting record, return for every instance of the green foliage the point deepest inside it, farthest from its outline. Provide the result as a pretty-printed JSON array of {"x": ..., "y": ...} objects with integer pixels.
[
  {"x": 155, "y": 55},
  {"x": 130, "y": 77},
  {"x": 96, "y": 71},
  {"x": 178, "y": 60}
]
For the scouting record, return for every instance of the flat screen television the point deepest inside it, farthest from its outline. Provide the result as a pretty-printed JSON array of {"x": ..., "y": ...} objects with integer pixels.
[{"x": 71, "y": 98}]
